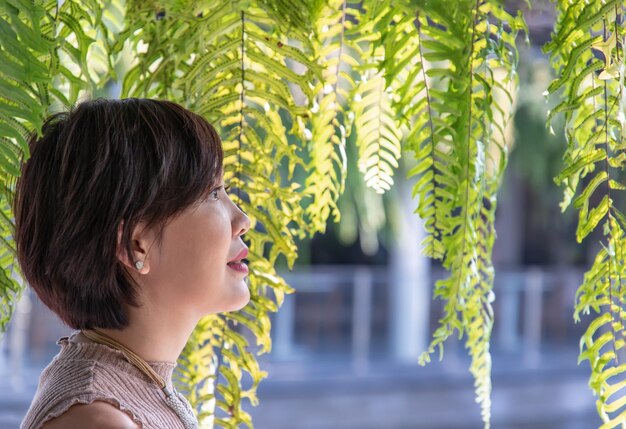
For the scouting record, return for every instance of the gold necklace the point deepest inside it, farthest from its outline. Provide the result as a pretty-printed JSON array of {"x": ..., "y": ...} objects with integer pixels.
[{"x": 173, "y": 399}]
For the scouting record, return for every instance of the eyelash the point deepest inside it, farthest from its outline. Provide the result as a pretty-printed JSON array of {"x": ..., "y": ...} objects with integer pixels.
[{"x": 226, "y": 189}]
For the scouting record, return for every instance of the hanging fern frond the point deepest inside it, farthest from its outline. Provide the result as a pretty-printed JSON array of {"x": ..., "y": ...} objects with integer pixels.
[
  {"x": 378, "y": 132},
  {"x": 48, "y": 52},
  {"x": 83, "y": 60},
  {"x": 330, "y": 122},
  {"x": 603, "y": 340},
  {"x": 290, "y": 16},
  {"x": 457, "y": 134},
  {"x": 23, "y": 79},
  {"x": 229, "y": 62},
  {"x": 363, "y": 210},
  {"x": 404, "y": 71},
  {"x": 264, "y": 91},
  {"x": 590, "y": 76},
  {"x": 24, "y": 76}
]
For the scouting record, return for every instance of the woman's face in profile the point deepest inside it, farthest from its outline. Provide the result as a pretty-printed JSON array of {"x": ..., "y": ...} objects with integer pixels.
[{"x": 190, "y": 268}]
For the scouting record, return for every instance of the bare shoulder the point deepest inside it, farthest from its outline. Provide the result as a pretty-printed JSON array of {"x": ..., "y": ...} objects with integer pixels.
[{"x": 97, "y": 415}]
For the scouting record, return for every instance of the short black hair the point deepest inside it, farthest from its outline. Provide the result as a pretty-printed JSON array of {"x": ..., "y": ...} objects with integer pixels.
[{"x": 101, "y": 162}]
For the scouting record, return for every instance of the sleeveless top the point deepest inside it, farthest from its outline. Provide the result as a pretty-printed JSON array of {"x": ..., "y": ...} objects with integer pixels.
[{"x": 85, "y": 371}]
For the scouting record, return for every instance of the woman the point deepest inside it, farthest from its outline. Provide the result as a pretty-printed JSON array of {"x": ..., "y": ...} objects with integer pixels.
[{"x": 125, "y": 230}]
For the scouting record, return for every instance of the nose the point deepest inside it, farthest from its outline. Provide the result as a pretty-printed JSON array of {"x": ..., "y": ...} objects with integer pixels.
[{"x": 241, "y": 222}]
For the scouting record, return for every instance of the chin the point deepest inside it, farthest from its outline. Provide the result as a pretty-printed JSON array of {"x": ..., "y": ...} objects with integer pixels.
[
  {"x": 244, "y": 301},
  {"x": 238, "y": 300}
]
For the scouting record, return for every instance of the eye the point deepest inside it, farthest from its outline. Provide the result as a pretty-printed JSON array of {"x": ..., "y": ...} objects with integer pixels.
[{"x": 226, "y": 189}]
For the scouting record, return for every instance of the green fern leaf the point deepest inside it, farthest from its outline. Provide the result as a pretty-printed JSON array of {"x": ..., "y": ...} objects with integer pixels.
[{"x": 594, "y": 132}]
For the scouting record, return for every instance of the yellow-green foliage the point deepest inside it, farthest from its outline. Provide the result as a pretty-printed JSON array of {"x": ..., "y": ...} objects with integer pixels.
[
  {"x": 330, "y": 121},
  {"x": 222, "y": 61},
  {"x": 446, "y": 74},
  {"x": 43, "y": 52},
  {"x": 286, "y": 84},
  {"x": 592, "y": 90}
]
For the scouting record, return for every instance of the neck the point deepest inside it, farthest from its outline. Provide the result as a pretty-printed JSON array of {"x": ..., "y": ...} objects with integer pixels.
[{"x": 154, "y": 337}]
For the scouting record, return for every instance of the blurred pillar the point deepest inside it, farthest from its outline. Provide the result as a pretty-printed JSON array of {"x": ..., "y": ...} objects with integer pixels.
[
  {"x": 533, "y": 303},
  {"x": 508, "y": 247},
  {"x": 283, "y": 326},
  {"x": 361, "y": 319},
  {"x": 18, "y": 340},
  {"x": 409, "y": 276}
]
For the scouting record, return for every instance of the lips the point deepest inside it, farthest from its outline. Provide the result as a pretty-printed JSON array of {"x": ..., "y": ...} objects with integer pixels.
[
  {"x": 240, "y": 255},
  {"x": 238, "y": 266}
]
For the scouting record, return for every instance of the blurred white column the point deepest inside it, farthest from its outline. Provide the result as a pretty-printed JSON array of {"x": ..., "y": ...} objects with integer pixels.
[
  {"x": 283, "y": 327},
  {"x": 361, "y": 319},
  {"x": 409, "y": 276},
  {"x": 18, "y": 340}
]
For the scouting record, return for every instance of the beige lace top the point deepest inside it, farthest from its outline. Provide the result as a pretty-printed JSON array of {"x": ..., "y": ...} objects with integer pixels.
[{"x": 84, "y": 371}]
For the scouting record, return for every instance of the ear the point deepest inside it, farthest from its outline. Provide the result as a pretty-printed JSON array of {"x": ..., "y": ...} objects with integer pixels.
[{"x": 138, "y": 250}]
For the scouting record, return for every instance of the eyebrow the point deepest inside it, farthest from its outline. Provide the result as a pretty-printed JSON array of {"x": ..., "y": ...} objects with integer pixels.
[{"x": 222, "y": 186}]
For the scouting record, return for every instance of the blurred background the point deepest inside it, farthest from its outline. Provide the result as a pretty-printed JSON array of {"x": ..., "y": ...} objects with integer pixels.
[{"x": 345, "y": 345}]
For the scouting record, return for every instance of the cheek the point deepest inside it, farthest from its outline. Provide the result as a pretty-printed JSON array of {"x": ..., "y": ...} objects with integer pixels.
[
  {"x": 202, "y": 242},
  {"x": 197, "y": 246}
]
